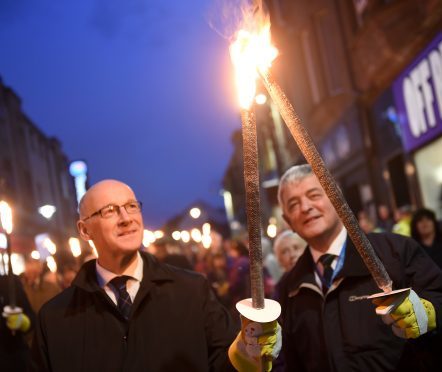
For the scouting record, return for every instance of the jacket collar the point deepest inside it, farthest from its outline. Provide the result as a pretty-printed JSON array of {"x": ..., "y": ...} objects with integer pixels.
[
  {"x": 153, "y": 273},
  {"x": 304, "y": 271}
]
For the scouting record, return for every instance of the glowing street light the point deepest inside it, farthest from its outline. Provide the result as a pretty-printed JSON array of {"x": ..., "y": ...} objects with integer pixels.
[
  {"x": 6, "y": 217},
  {"x": 185, "y": 236},
  {"x": 74, "y": 244},
  {"x": 50, "y": 246},
  {"x": 195, "y": 212},
  {"x": 176, "y": 235},
  {"x": 52, "y": 265},
  {"x": 47, "y": 211},
  {"x": 196, "y": 235}
]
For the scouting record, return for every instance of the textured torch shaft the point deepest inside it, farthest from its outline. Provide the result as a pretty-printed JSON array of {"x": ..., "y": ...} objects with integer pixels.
[
  {"x": 251, "y": 182},
  {"x": 11, "y": 284},
  {"x": 309, "y": 151}
]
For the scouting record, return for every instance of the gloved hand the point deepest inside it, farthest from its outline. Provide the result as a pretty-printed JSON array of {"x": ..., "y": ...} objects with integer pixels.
[
  {"x": 409, "y": 315},
  {"x": 15, "y": 319},
  {"x": 256, "y": 345}
]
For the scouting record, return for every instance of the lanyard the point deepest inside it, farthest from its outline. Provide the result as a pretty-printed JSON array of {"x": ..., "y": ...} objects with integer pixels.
[
  {"x": 340, "y": 262},
  {"x": 338, "y": 267}
]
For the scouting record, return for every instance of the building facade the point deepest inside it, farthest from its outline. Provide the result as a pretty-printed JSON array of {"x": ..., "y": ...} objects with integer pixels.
[{"x": 33, "y": 173}]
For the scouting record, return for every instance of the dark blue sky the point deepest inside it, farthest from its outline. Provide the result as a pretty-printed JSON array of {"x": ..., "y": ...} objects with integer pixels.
[{"x": 140, "y": 89}]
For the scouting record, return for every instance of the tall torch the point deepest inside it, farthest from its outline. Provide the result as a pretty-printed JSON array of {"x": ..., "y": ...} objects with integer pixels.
[
  {"x": 245, "y": 51},
  {"x": 6, "y": 222}
]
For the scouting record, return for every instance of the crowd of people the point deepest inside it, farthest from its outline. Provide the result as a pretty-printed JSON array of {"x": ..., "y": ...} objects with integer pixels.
[{"x": 187, "y": 306}]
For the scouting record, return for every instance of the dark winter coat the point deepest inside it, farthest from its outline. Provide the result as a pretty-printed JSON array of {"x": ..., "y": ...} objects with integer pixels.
[
  {"x": 14, "y": 351},
  {"x": 175, "y": 325},
  {"x": 329, "y": 333}
]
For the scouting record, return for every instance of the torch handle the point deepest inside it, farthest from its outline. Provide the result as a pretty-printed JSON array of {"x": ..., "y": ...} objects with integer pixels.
[
  {"x": 326, "y": 180},
  {"x": 11, "y": 283},
  {"x": 251, "y": 183}
]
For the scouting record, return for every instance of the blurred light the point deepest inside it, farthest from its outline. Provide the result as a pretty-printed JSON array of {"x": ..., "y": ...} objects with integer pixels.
[
  {"x": 50, "y": 246},
  {"x": 52, "y": 265},
  {"x": 176, "y": 235},
  {"x": 6, "y": 216},
  {"x": 148, "y": 237},
  {"x": 47, "y": 211},
  {"x": 409, "y": 169},
  {"x": 260, "y": 99},
  {"x": 207, "y": 241},
  {"x": 185, "y": 236},
  {"x": 196, "y": 235},
  {"x": 17, "y": 261},
  {"x": 3, "y": 241},
  {"x": 74, "y": 243},
  {"x": 92, "y": 245},
  {"x": 206, "y": 229},
  {"x": 438, "y": 172},
  {"x": 271, "y": 230},
  {"x": 158, "y": 234},
  {"x": 195, "y": 212},
  {"x": 35, "y": 255}
]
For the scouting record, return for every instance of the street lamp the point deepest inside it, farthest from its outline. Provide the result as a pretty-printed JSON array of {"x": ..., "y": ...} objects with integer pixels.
[
  {"x": 47, "y": 211},
  {"x": 195, "y": 212}
]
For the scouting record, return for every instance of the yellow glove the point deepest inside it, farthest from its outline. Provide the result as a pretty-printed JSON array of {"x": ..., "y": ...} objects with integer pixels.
[
  {"x": 18, "y": 322},
  {"x": 256, "y": 345},
  {"x": 15, "y": 319},
  {"x": 409, "y": 315}
]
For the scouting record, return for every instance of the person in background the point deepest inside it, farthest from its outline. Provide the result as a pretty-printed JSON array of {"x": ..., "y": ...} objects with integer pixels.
[
  {"x": 403, "y": 220},
  {"x": 426, "y": 231},
  {"x": 269, "y": 261},
  {"x": 37, "y": 289},
  {"x": 288, "y": 247},
  {"x": 385, "y": 220},
  {"x": 322, "y": 329},
  {"x": 14, "y": 350}
]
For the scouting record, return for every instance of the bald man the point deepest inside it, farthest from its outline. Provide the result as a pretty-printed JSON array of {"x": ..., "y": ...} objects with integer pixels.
[{"x": 125, "y": 311}]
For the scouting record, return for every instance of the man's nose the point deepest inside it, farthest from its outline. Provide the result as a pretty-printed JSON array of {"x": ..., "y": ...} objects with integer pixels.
[
  {"x": 123, "y": 216},
  {"x": 305, "y": 205}
]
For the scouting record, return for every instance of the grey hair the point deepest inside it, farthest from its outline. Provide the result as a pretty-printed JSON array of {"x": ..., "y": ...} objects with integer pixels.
[
  {"x": 288, "y": 235},
  {"x": 293, "y": 174}
]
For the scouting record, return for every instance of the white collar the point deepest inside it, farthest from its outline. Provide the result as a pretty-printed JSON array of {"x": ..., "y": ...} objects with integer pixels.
[
  {"x": 104, "y": 276},
  {"x": 335, "y": 247}
]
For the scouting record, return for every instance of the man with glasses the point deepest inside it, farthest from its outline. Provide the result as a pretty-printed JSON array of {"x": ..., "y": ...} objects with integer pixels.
[{"x": 125, "y": 311}]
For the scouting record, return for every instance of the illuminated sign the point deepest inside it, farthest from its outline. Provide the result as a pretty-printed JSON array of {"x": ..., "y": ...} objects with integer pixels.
[{"x": 418, "y": 96}]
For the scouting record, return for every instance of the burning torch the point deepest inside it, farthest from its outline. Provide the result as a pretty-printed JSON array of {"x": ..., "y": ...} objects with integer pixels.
[
  {"x": 255, "y": 55},
  {"x": 245, "y": 51}
]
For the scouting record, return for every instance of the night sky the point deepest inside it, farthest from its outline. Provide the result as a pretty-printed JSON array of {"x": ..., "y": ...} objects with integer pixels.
[{"x": 142, "y": 90}]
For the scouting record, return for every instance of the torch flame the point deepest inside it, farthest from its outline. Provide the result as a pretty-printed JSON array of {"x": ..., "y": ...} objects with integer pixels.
[
  {"x": 250, "y": 52},
  {"x": 6, "y": 216}
]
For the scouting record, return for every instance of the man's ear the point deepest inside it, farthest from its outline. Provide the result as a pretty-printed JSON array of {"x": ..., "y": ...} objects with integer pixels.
[{"x": 83, "y": 230}]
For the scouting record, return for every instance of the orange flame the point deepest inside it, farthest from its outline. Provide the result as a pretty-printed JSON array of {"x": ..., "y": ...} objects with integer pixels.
[{"x": 250, "y": 52}]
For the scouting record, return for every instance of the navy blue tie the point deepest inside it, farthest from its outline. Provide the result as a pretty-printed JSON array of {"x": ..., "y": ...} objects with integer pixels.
[
  {"x": 124, "y": 302},
  {"x": 326, "y": 261}
]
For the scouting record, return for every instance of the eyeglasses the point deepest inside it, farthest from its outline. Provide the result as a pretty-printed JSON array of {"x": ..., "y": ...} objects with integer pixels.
[{"x": 112, "y": 210}]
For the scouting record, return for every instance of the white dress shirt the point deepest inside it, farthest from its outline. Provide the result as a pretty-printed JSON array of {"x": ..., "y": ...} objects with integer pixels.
[
  {"x": 335, "y": 248},
  {"x": 132, "y": 285}
]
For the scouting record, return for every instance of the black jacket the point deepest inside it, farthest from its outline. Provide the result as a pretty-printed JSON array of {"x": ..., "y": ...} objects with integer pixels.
[
  {"x": 14, "y": 351},
  {"x": 175, "y": 324},
  {"x": 329, "y": 333}
]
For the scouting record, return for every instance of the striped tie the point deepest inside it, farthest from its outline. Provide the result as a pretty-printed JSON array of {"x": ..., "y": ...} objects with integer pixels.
[
  {"x": 326, "y": 261},
  {"x": 124, "y": 302}
]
